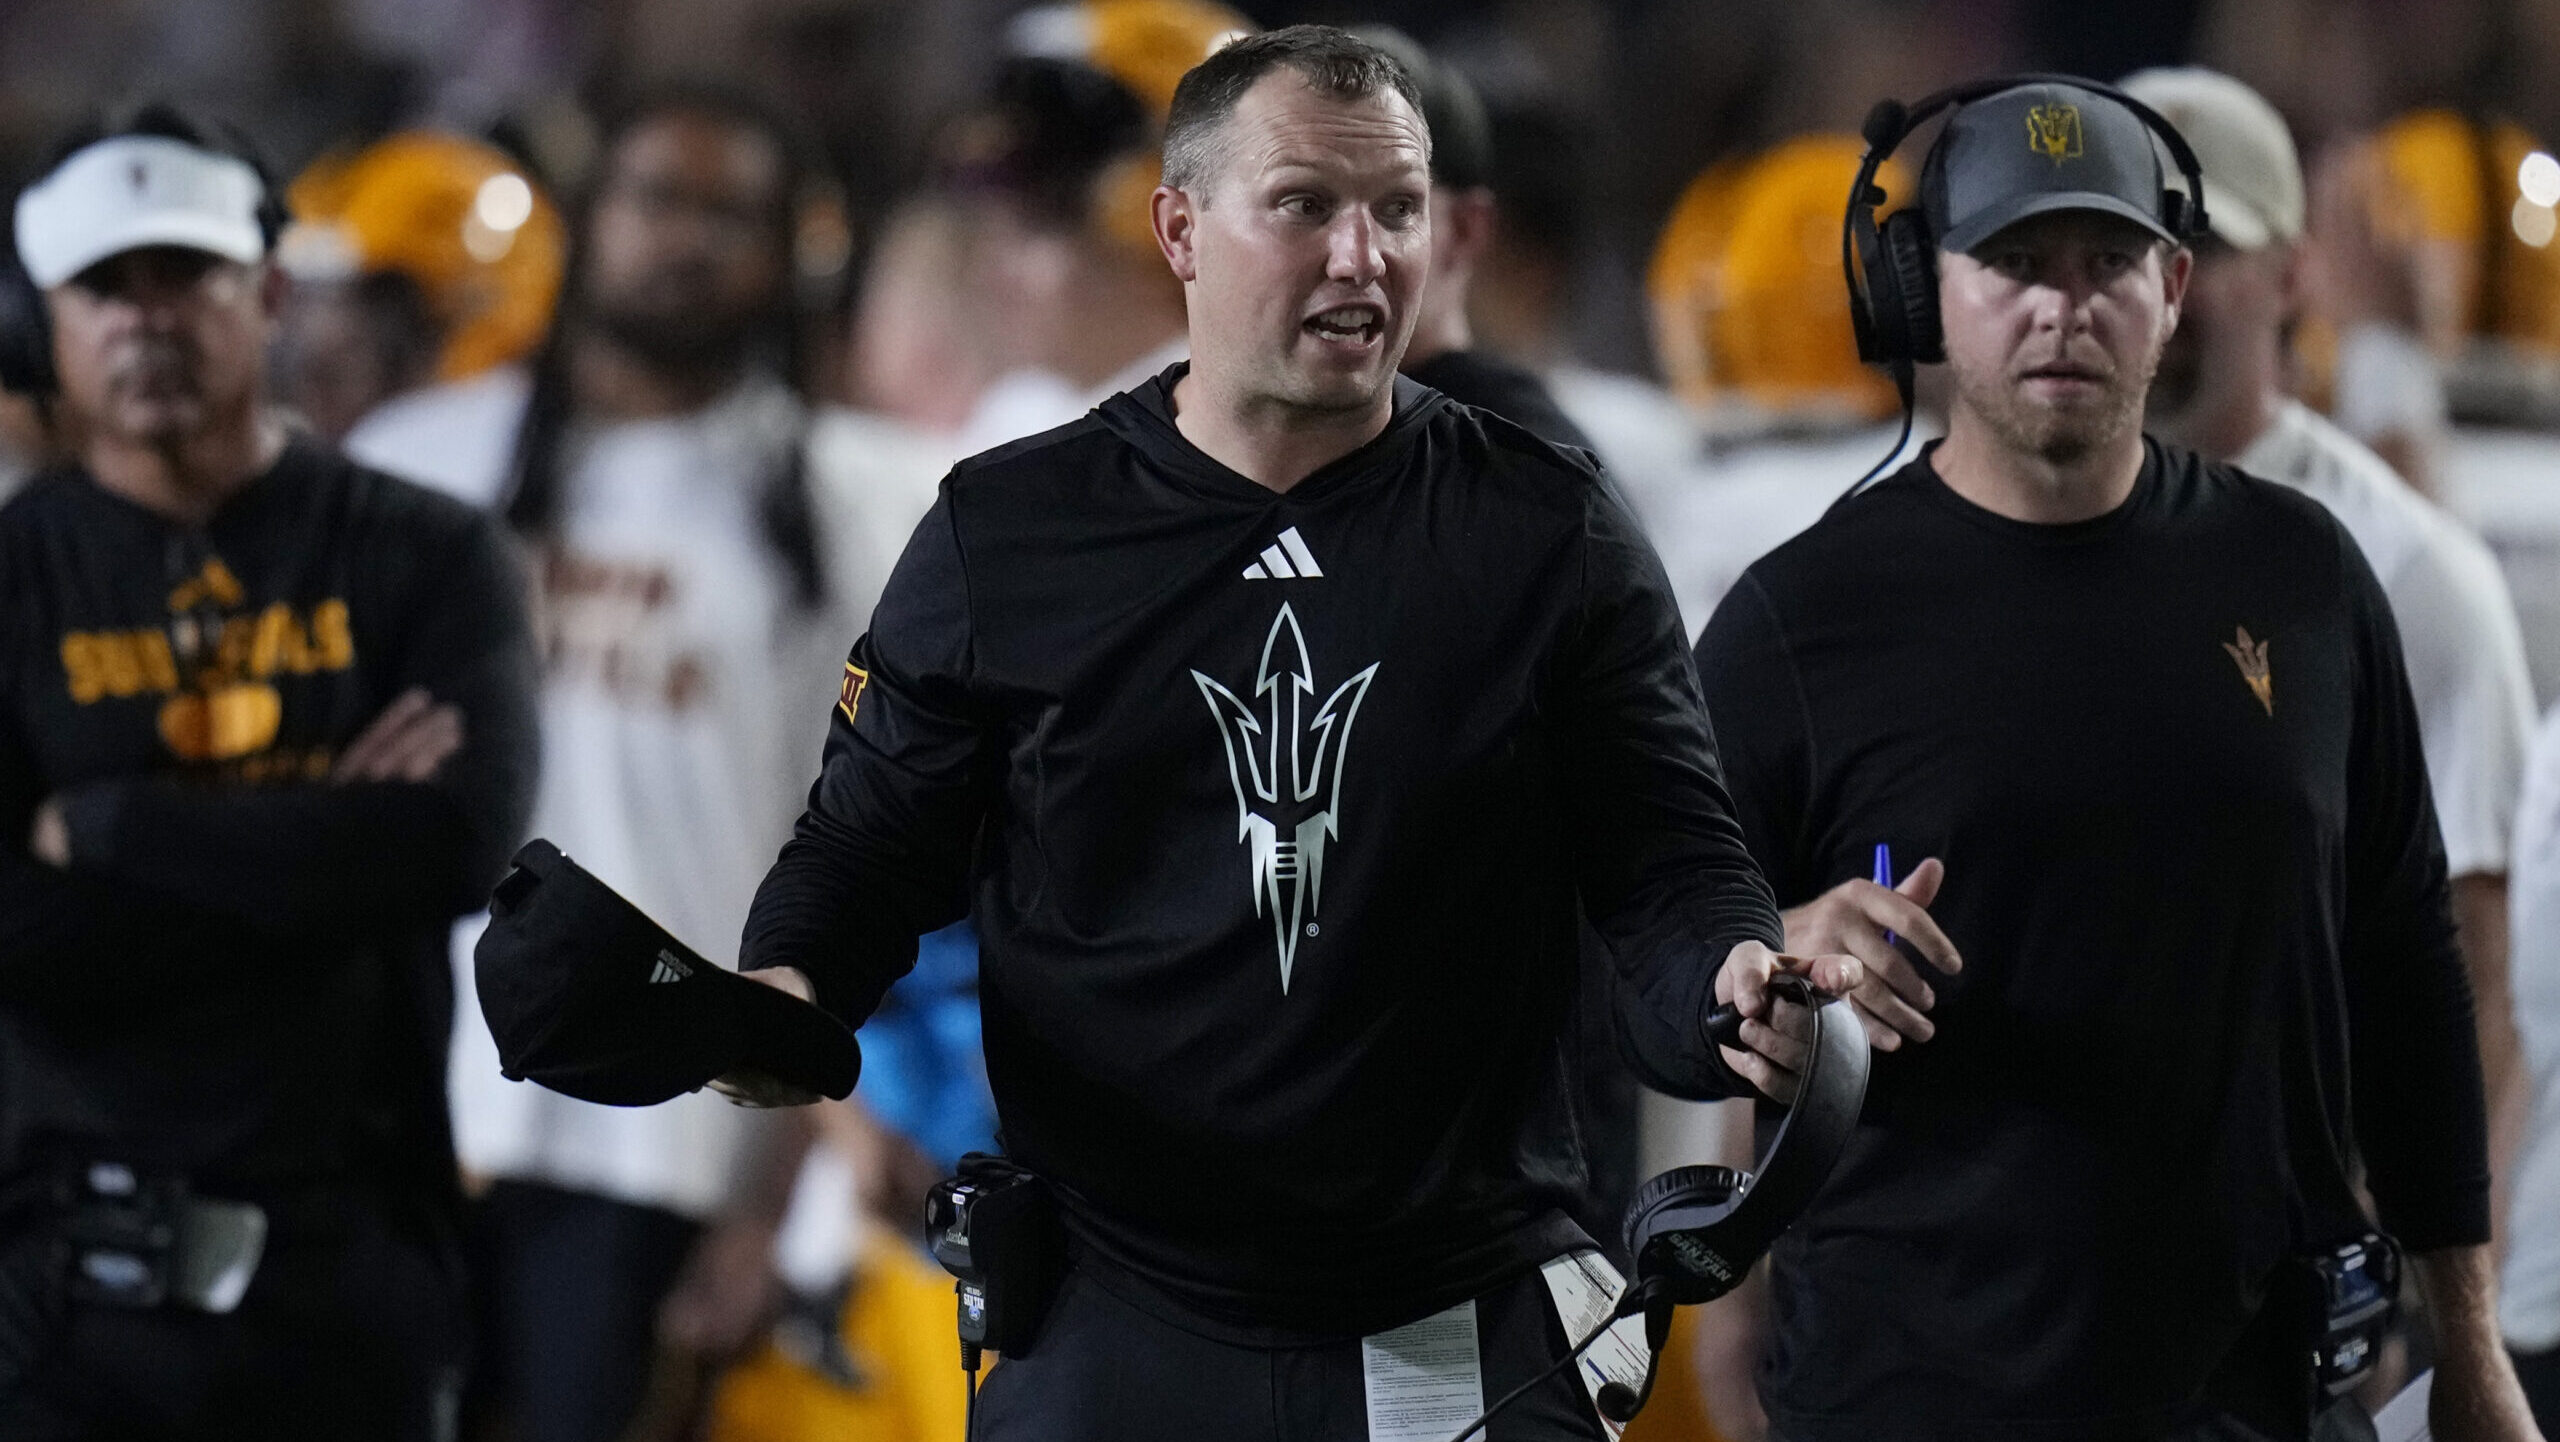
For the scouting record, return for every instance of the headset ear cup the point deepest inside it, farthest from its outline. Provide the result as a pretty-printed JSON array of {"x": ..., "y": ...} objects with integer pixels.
[
  {"x": 1911, "y": 254},
  {"x": 26, "y": 334},
  {"x": 1871, "y": 301}
]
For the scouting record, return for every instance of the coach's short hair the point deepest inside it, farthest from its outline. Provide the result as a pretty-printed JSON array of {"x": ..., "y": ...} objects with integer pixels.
[{"x": 1335, "y": 64}]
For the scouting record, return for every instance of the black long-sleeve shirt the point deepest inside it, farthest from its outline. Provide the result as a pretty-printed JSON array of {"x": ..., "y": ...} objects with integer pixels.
[
  {"x": 1274, "y": 810},
  {"x": 243, "y": 972},
  {"x": 1605, "y": 1095},
  {"x": 2171, "y": 762}
]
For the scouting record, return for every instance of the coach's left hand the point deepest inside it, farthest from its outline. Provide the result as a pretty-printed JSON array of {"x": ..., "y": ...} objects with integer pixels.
[
  {"x": 1892, "y": 997},
  {"x": 755, "y": 1088}
]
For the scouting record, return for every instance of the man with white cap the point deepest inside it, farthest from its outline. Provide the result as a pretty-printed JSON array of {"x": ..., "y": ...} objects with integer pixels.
[
  {"x": 265, "y": 729},
  {"x": 2221, "y": 389}
]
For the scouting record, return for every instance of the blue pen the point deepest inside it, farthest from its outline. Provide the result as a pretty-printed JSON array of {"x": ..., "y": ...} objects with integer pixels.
[{"x": 1884, "y": 875}]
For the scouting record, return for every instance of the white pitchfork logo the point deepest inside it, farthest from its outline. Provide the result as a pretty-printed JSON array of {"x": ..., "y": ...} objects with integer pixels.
[{"x": 1286, "y": 765}]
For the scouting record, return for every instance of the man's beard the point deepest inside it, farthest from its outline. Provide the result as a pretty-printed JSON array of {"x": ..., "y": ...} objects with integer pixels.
[
  {"x": 680, "y": 340},
  {"x": 2059, "y": 436}
]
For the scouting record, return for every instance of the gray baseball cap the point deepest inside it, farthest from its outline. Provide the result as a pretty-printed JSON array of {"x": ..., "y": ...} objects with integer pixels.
[{"x": 2034, "y": 150}]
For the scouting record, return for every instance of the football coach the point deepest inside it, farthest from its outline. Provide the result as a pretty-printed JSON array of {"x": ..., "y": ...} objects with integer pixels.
[{"x": 1274, "y": 721}]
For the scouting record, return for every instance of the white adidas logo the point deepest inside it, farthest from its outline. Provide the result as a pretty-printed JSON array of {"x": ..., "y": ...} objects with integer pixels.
[
  {"x": 670, "y": 968},
  {"x": 1288, "y": 559}
]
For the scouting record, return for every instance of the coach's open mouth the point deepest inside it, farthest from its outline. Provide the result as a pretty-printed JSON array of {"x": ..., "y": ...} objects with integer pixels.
[{"x": 1355, "y": 325}]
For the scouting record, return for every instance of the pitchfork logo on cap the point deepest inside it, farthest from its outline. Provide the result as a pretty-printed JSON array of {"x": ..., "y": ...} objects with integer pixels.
[{"x": 2053, "y": 131}]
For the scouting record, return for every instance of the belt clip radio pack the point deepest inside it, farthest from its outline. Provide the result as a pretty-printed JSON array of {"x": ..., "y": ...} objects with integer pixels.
[
  {"x": 995, "y": 1227},
  {"x": 137, "y": 1240},
  {"x": 2358, "y": 1297}
]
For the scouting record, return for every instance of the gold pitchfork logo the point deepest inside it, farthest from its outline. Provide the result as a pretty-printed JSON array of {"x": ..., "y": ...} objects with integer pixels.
[
  {"x": 2053, "y": 131},
  {"x": 2252, "y": 658}
]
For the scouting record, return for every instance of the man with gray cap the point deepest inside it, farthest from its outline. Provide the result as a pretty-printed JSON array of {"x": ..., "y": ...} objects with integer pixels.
[
  {"x": 265, "y": 730},
  {"x": 2137, "y": 728},
  {"x": 2221, "y": 390}
]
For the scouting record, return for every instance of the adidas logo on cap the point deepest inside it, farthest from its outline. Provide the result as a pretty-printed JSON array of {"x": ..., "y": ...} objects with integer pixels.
[
  {"x": 670, "y": 967},
  {"x": 1286, "y": 559}
]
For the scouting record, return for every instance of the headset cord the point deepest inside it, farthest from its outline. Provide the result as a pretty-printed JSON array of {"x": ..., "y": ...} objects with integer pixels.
[
  {"x": 969, "y": 1354},
  {"x": 1905, "y": 384},
  {"x": 1637, "y": 1299}
]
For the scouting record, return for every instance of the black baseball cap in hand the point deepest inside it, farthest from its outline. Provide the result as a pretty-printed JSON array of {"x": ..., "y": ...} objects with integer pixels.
[
  {"x": 2036, "y": 149},
  {"x": 588, "y": 996}
]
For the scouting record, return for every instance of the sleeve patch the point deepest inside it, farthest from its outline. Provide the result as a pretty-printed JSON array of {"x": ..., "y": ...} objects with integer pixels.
[{"x": 849, "y": 698}]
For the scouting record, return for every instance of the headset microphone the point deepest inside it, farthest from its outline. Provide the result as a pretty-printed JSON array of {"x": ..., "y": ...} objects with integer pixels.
[{"x": 1886, "y": 125}]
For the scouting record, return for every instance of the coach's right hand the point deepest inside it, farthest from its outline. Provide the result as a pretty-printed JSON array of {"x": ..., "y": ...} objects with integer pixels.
[{"x": 1892, "y": 996}]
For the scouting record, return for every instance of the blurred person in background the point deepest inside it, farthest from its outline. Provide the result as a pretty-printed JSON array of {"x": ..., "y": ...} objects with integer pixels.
[
  {"x": 1521, "y": 302},
  {"x": 1753, "y": 331},
  {"x": 419, "y": 259},
  {"x": 2222, "y": 390},
  {"x": 1054, "y": 172},
  {"x": 2433, "y": 328},
  {"x": 921, "y": 349},
  {"x": 266, "y": 729},
  {"x": 1444, "y": 354},
  {"x": 2529, "y": 1280},
  {"x": 705, "y": 543}
]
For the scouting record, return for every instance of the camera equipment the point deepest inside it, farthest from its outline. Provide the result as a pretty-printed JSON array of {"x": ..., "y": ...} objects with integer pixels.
[
  {"x": 995, "y": 1228},
  {"x": 1695, "y": 1232}
]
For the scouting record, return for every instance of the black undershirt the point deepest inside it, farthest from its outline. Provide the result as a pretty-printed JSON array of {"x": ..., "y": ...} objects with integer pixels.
[{"x": 2177, "y": 896}]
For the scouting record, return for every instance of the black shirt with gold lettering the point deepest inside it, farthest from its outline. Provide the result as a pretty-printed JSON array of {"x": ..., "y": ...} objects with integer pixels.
[
  {"x": 2170, "y": 760},
  {"x": 242, "y": 975}
]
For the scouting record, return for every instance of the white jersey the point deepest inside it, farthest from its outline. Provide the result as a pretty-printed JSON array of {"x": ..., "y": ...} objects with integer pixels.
[
  {"x": 1737, "y": 502},
  {"x": 2506, "y": 484},
  {"x": 1028, "y": 401},
  {"x": 684, "y": 703},
  {"x": 1646, "y": 440},
  {"x": 2458, "y": 629},
  {"x": 2529, "y": 1281}
]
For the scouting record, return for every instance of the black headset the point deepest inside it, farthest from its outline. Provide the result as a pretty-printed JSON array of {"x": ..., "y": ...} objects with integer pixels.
[
  {"x": 26, "y": 333},
  {"x": 1694, "y": 1232},
  {"x": 1892, "y": 265}
]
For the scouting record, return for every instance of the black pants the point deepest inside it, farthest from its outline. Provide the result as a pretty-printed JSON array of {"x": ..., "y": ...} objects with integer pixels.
[
  {"x": 2345, "y": 1422},
  {"x": 1103, "y": 1370},
  {"x": 567, "y": 1290},
  {"x": 353, "y": 1328},
  {"x": 2540, "y": 1374}
]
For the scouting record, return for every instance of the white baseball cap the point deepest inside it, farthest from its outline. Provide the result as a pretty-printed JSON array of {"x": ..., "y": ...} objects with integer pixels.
[
  {"x": 2252, "y": 175},
  {"x": 130, "y": 191}
]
